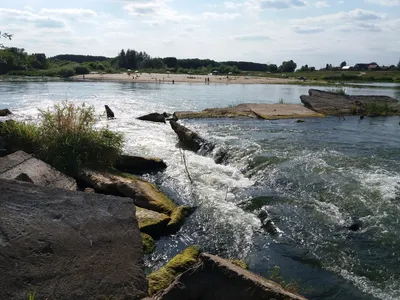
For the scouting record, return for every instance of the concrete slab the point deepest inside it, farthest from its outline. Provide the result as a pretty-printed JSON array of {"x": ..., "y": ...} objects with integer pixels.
[{"x": 40, "y": 173}]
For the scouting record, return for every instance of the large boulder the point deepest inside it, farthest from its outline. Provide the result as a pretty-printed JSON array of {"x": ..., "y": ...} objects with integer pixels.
[
  {"x": 146, "y": 195},
  {"x": 214, "y": 278},
  {"x": 20, "y": 165},
  {"x": 330, "y": 103},
  {"x": 153, "y": 117},
  {"x": 152, "y": 222},
  {"x": 139, "y": 165},
  {"x": 68, "y": 245},
  {"x": 5, "y": 112}
]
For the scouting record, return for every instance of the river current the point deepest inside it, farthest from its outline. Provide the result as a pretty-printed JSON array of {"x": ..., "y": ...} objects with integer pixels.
[{"x": 314, "y": 178}]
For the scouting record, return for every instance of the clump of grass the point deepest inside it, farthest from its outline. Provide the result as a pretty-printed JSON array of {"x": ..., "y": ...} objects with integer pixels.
[
  {"x": 281, "y": 101},
  {"x": 377, "y": 109},
  {"x": 293, "y": 286},
  {"x": 66, "y": 138},
  {"x": 31, "y": 295}
]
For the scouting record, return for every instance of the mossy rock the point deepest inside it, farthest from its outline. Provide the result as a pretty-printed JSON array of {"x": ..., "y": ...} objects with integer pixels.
[
  {"x": 178, "y": 217},
  {"x": 239, "y": 263},
  {"x": 146, "y": 194},
  {"x": 162, "y": 278},
  {"x": 152, "y": 223},
  {"x": 148, "y": 243}
]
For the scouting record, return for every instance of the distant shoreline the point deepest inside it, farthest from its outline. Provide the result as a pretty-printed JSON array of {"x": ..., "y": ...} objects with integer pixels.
[{"x": 184, "y": 78}]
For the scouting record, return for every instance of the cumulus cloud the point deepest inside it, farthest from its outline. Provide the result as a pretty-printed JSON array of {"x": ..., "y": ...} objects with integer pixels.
[
  {"x": 307, "y": 29},
  {"x": 282, "y": 4},
  {"x": 321, "y": 4},
  {"x": 385, "y": 2}
]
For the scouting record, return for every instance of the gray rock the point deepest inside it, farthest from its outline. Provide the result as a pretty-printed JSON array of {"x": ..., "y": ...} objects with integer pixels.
[
  {"x": 139, "y": 165},
  {"x": 154, "y": 117},
  {"x": 337, "y": 104},
  {"x": 68, "y": 245},
  {"x": 109, "y": 112},
  {"x": 5, "y": 112},
  {"x": 40, "y": 173},
  {"x": 215, "y": 278}
]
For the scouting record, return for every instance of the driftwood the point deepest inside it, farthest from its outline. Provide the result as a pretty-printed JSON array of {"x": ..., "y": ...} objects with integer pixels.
[
  {"x": 153, "y": 117},
  {"x": 192, "y": 141},
  {"x": 330, "y": 103}
]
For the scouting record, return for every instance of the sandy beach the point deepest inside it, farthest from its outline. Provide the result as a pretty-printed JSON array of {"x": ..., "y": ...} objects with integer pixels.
[{"x": 185, "y": 78}]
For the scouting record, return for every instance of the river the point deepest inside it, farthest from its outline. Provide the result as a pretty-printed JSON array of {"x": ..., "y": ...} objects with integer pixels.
[{"x": 314, "y": 178}]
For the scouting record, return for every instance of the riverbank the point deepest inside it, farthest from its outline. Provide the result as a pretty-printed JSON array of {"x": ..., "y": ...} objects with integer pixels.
[{"x": 184, "y": 78}]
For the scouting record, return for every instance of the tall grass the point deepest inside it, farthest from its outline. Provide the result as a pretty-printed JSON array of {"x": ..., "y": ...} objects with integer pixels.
[
  {"x": 66, "y": 138},
  {"x": 339, "y": 91},
  {"x": 377, "y": 109}
]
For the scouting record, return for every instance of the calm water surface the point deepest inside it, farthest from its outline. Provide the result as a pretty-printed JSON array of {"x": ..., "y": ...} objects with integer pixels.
[{"x": 314, "y": 178}]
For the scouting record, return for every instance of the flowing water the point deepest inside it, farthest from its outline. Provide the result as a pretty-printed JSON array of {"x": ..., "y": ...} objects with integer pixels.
[{"x": 314, "y": 179}]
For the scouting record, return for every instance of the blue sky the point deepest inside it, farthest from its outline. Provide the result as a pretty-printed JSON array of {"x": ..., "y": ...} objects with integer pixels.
[{"x": 267, "y": 31}]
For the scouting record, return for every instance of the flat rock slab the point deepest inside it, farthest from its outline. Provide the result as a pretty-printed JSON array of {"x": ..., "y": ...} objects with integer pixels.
[
  {"x": 253, "y": 110},
  {"x": 215, "y": 278},
  {"x": 24, "y": 167},
  {"x": 337, "y": 104},
  {"x": 68, "y": 245},
  {"x": 152, "y": 222}
]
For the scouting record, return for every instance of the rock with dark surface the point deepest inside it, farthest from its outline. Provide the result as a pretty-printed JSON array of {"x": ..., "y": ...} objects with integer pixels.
[
  {"x": 5, "y": 112},
  {"x": 251, "y": 110},
  {"x": 109, "y": 112},
  {"x": 154, "y": 117},
  {"x": 214, "y": 278},
  {"x": 145, "y": 194},
  {"x": 160, "y": 215},
  {"x": 139, "y": 165},
  {"x": 68, "y": 245},
  {"x": 190, "y": 140},
  {"x": 329, "y": 103},
  {"x": 38, "y": 172}
]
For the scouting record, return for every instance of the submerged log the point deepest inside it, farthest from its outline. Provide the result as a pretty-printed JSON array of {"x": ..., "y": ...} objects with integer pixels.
[
  {"x": 153, "y": 117},
  {"x": 109, "y": 112},
  {"x": 139, "y": 165},
  {"x": 331, "y": 103},
  {"x": 192, "y": 141}
]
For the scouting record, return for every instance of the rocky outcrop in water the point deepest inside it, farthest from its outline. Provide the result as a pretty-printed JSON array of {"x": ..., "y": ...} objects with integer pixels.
[
  {"x": 159, "y": 208},
  {"x": 139, "y": 165},
  {"x": 109, "y": 112},
  {"x": 330, "y": 103},
  {"x": 5, "y": 112},
  {"x": 68, "y": 245},
  {"x": 214, "y": 278},
  {"x": 190, "y": 140},
  {"x": 251, "y": 110},
  {"x": 153, "y": 117},
  {"x": 24, "y": 167}
]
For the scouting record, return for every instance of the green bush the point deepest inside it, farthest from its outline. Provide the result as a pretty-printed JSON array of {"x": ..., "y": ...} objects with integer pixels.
[
  {"x": 377, "y": 109},
  {"x": 66, "y": 139},
  {"x": 81, "y": 70},
  {"x": 66, "y": 72}
]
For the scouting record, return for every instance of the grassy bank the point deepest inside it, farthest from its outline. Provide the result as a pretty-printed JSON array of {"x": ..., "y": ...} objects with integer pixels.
[{"x": 65, "y": 138}]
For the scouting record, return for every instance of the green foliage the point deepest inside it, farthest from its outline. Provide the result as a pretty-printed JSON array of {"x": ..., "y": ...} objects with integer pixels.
[
  {"x": 5, "y": 35},
  {"x": 281, "y": 101},
  {"x": 377, "y": 109},
  {"x": 292, "y": 286},
  {"x": 66, "y": 72},
  {"x": 239, "y": 263},
  {"x": 81, "y": 70},
  {"x": 31, "y": 295},
  {"x": 66, "y": 139},
  {"x": 148, "y": 243},
  {"x": 288, "y": 66},
  {"x": 162, "y": 278}
]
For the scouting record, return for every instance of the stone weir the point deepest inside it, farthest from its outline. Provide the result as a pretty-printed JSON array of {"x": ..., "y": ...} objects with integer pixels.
[
  {"x": 252, "y": 110},
  {"x": 330, "y": 103}
]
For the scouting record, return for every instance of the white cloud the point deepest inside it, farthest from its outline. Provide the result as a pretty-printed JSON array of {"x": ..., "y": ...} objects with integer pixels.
[
  {"x": 71, "y": 12},
  {"x": 385, "y": 2},
  {"x": 321, "y": 4},
  {"x": 282, "y": 4},
  {"x": 251, "y": 37}
]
